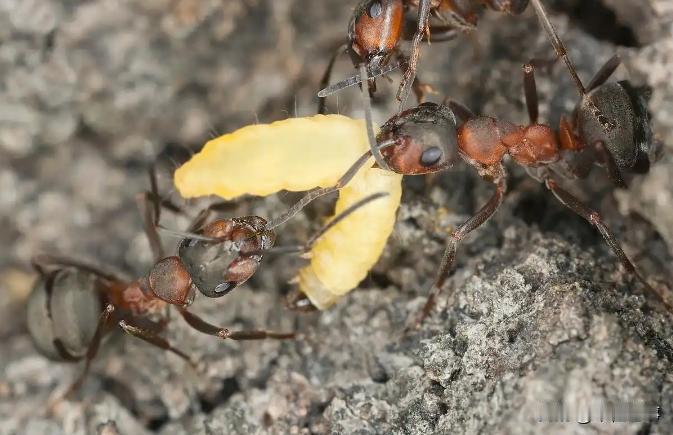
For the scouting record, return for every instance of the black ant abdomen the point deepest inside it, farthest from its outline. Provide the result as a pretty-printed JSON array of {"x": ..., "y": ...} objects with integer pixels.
[
  {"x": 616, "y": 114},
  {"x": 62, "y": 313}
]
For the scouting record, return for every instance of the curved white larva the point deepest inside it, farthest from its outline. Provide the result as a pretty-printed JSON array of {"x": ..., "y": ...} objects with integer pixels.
[
  {"x": 300, "y": 154},
  {"x": 294, "y": 154},
  {"x": 341, "y": 259}
]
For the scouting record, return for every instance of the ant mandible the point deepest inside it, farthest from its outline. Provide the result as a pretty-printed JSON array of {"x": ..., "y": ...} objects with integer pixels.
[
  {"x": 74, "y": 305},
  {"x": 610, "y": 127},
  {"x": 377, "y": 26}
]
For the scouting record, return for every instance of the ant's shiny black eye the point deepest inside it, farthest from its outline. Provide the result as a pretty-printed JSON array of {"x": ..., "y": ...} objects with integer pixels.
[
  {"x": 375, "y": 9},
  {"x": 431, "y": 156}
]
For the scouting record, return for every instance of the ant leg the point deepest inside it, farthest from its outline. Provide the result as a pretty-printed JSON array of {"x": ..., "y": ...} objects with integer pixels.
[
  {"x": 419, "y": 88},
  {"x": 422, "y": 28},
  {"x": 201, "y": 325},
  {"x": 458, "y": 234},
  {"x": 573, "y": 203},
  {"x": 202, "y": 217},
  {"x": 101, "y": 329},
  {"x": 369, "y": 124},
  {"x": 317, "y": 193},
  {"x": 148, "y": 213},
  {"x": 42, "y": 262},
  {"x": 153, "y": 339},
  {"x": 530, "y": 89},
  {"x": 322, "y": 101},
  {"x": 149, "y": 205},
  {"x": 605, "y": 72},
  {"x": 298, "y": 302},
  {"x": 305, "y": 248},
  {"x": 614, "y": 173},
  {"x": 460, "y": 110},
  {"x": 558, "y": 45},
  {"x": 444, "y": 33}
]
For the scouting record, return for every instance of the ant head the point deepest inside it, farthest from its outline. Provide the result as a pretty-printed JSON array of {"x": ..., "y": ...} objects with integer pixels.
[
  {"x": 374, "y": 30},
  {"x": 615, "y": 114},
  {"x": 514, "y": 7},
  {"x": 171, "y": 282},
  {"x": 218, "y": 266},
  {"x": 421, "y": 140}
]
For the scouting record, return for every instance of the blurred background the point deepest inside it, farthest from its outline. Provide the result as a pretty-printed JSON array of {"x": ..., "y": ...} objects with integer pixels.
[{"x": 92, "y": 92}]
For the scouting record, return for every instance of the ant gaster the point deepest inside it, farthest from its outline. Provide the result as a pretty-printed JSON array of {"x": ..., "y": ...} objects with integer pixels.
[
  {"x": 74, "y": 305},
  {"x": 611, "y": 121},
  {"x": 377, "y": 26}
]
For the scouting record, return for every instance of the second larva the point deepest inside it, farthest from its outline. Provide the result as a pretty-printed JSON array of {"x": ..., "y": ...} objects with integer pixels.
[{"x": 299, "y": 154}]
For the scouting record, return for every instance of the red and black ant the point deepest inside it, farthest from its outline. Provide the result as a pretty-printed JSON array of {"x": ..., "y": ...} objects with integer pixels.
[
  {"x": 609, "y": 127},
  {"x": 74, "y": 304},
  {"x": 377, "y": 26}
]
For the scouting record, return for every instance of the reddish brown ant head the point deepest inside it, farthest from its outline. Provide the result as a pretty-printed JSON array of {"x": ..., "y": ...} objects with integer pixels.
[
  {"x": 374, "y": 30},
  {"x": 514, "y": 7},
  {"x": 171, "y": 282},
  {"x": 421, "y": 140},
  {"x": 220, "y": 265}
]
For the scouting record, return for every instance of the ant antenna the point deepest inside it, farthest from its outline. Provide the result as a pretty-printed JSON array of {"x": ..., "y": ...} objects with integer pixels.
[
  {"x": 371, "y": 135},
  {"x": 331, "y": 224},
  {"x": 343, "y": 215},
  {"x": 187, "y": 235},
  {"x": 354, "y": 80},
  {"x": 560, "y": 48}
]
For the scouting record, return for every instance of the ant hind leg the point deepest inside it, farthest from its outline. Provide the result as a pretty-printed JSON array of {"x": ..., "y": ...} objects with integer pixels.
[
  {"x": 594, "y": 218},
  {"x": 605, "y": 72}
]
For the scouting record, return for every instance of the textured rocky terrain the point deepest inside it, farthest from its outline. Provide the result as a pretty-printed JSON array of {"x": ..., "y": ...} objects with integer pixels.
[{"x": 91, "y": 92}]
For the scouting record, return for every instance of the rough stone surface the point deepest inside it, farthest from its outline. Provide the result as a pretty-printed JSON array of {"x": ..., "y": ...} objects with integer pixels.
[{"x": 91, "y": 91}]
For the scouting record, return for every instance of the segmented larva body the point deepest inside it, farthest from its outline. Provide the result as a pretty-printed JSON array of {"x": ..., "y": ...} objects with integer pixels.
[
  {"x": 344, "y": 256},
  {"x": 300, "y": 154}
]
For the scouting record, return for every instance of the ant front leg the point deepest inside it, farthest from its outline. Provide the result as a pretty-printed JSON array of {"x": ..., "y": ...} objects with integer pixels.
[
  {"x": 153, "y": 339},
  {"x": 424, "y": 7},
  {"x": 201, "y": 325},
  {"x": 594, "y": 218},
  {"x": 458, "y": 234}
]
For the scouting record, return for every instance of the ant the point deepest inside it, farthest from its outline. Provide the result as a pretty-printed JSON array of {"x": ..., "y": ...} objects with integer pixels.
[
  {"x": 377, "y": 26},
  {"x": 610, "y": 127},
  {"x": 74, "y": 305}
]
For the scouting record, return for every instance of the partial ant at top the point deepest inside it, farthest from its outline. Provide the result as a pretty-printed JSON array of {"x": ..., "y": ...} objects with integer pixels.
[
  {"x": 610, "y": 127},
  {"x": 74, "y": 305},
  {"x": 377, "y": 26}
]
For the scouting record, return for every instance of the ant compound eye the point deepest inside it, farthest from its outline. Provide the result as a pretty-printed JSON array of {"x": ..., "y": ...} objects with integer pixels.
[
  {"x": 431, "y": 156},
  {"x": 375, "y": 9},
  {"x": 223, "y": 289}
]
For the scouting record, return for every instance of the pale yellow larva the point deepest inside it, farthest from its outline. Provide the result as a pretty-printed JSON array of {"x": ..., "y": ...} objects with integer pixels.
[{"x": 300, "y": 154}]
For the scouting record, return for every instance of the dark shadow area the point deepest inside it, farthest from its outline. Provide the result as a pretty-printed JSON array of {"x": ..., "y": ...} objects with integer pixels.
[{"x": 598, "y": 20}]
